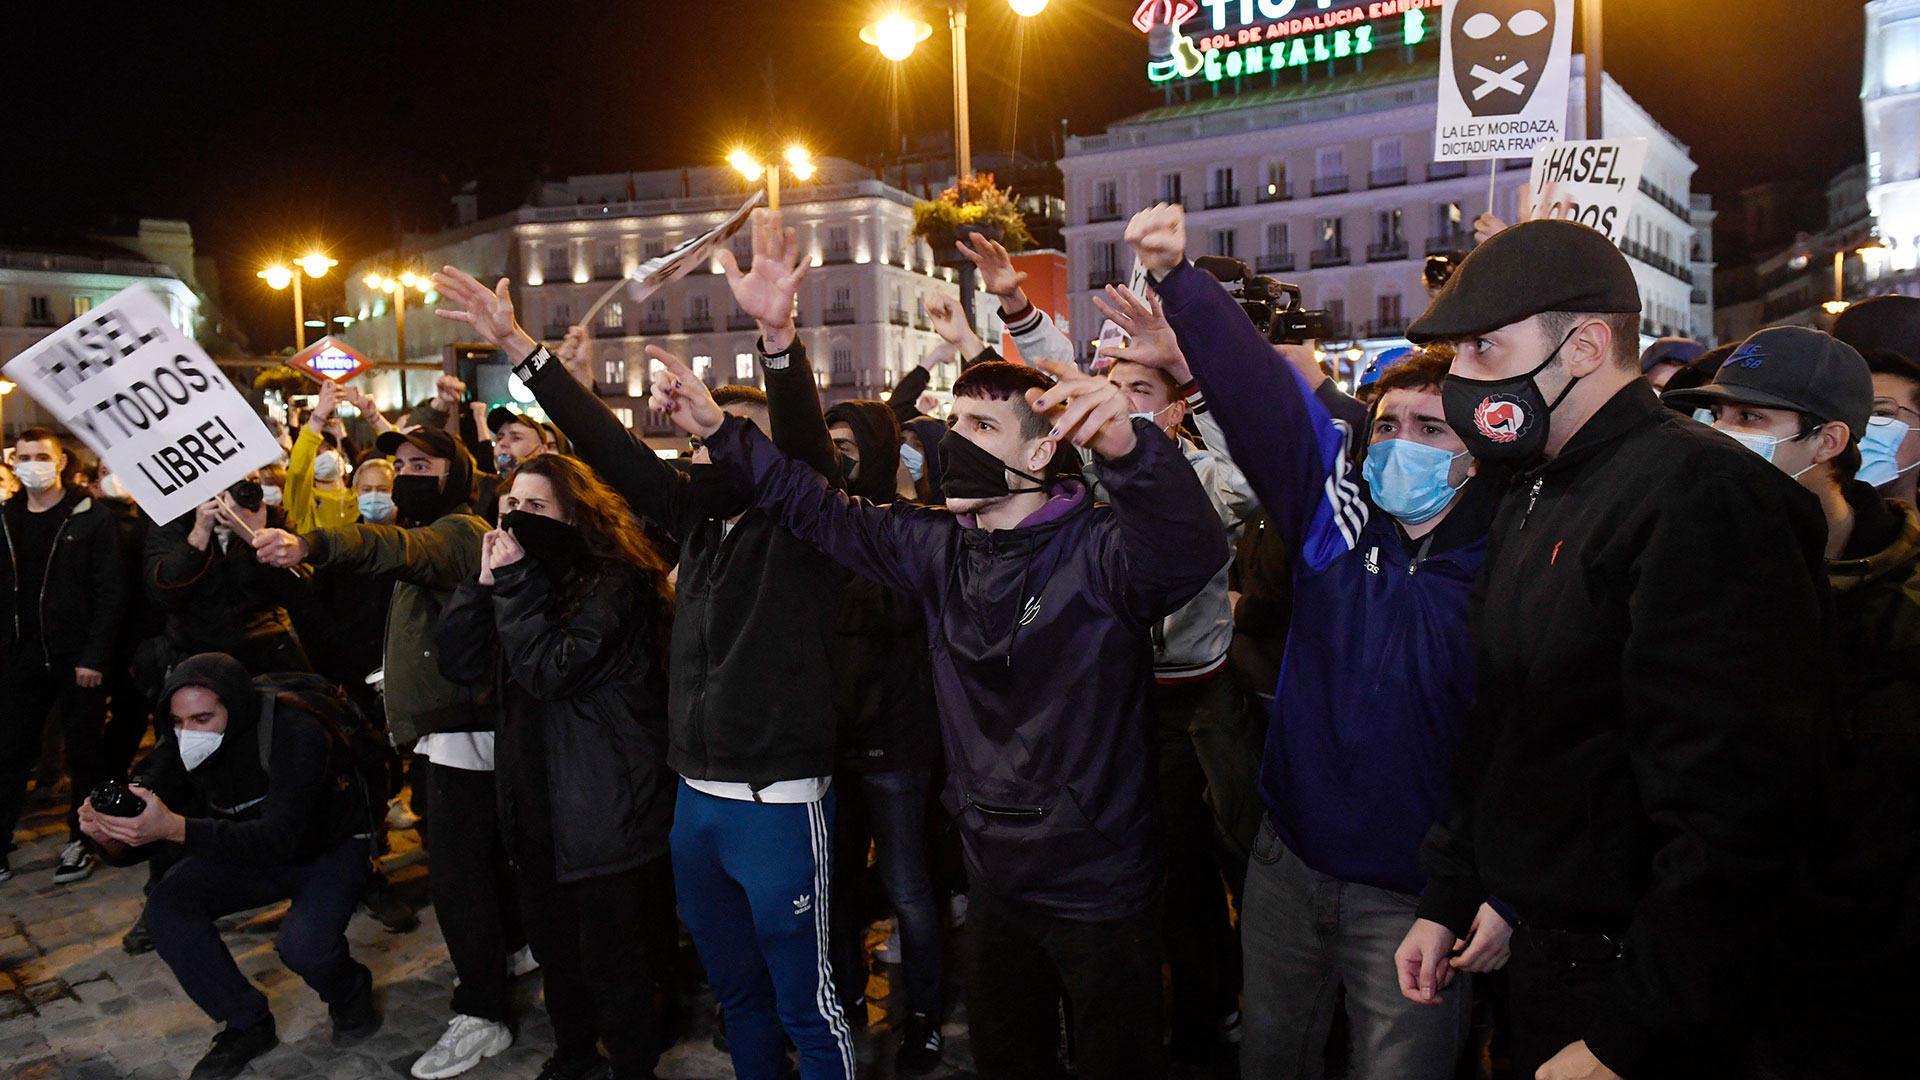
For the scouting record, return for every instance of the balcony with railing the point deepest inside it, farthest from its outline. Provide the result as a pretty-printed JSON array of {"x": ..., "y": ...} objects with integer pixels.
[
  {"x": 655, "y": 325},
  {"x": 602, "y": 329},
  {"x": 557, "y": 329},
  {"x": 1100, "y": 212},
  {"x": 1270, "y": 193},
  {"x": 698, "y": 324},
  {"x": 1445, "y": 170},
  {"x": 1173, "y": 200},
  {"x": 921, "y": 321},
  {"x": 1279, "y": 262},
  {"x": 1387, "y": 251},
  {"x": 1446, "y": 243},
  {"x": 1330, "y": 185},
  {"x": 835, "y": 256},
  {"x": 1636, "y": 250},
  {"x": 838, "y": 315},
  {"x": 1651, "y": 191},
  {"x": 558, "y": 273},
  {"x": 1385, "y": 328},
  {"x": 1102, "y": 276},
  {"x": 740, "y": 320},
  {"x": 1389, "y": 177},
  {"x": 1329, "y": 256},
  {"x": 1220, "y": 200},
  {"x": 608, "y": 271},
  {"x": 898, "y": 316}
]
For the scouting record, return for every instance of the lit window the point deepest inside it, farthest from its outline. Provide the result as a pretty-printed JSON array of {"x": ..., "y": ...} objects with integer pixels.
[
  {"x": 702, "y": 366},
  {"x": 743, "y": 366},
  {"x": 613, "y": 318},
  {"x": 82, "y": 305}
]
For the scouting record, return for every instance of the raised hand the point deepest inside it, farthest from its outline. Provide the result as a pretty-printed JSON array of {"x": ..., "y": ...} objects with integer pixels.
[
  {"x": 447, "y": 392},
  {"x": 1158, "y": 236},
  {"x": 766, "y": 291},
  {"x": 997, "y": 274},
  {"x": 575, "y": 356},
  {"x": 363, "y": 402},
  {"x": 1154, "y": 343},
  {"x": 681, "y": 397},
  {"x": 1087, "y": 409},
  {"x": 1547, "y": 204},
  {"x": 323, "y": 409},
  {"x": 950, "y": 322},
  {"x": 488, "y": 311}
]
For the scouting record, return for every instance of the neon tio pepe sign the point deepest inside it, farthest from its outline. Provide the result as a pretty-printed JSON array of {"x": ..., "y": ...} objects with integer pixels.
[{"x": 1226, "y": 39}]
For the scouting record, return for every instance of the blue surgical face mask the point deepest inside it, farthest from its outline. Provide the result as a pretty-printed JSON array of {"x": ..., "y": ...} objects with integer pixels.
[
  {"x": 1760, "y": 444},
  {"x": 1410, "y": 480},
  {"x": 376, "y": 507},
  {"x": 1880, "y": 447},
  {"x": 916, "y": 461},
  {"x": 1704, "y": 415}
]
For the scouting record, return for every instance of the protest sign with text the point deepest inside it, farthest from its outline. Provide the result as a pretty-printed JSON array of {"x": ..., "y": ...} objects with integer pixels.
[
  {"x": 649, "y": 276},
  {"x": 146, "y": 398},
  {"x": 1597, "y": 178},
  {"x": 1503, "y": 77}
]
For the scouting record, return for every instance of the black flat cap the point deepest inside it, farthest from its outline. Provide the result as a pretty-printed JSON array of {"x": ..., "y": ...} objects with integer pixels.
[
  {"x": 1882, "y": 322},
  {"x": 1792, "y": 367},
  {"x": 1536, "y": 266}
]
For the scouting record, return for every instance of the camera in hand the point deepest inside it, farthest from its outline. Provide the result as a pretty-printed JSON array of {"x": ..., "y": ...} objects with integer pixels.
[
  {"x": 1440, "y": 267},
  {"x": 115, "y": 799},
  {"x": 247, "y": 494},
  {"x": 1274, "y": 306}
]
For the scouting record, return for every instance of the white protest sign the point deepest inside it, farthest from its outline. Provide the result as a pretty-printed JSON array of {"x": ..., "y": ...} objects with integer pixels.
[
  {"x": 144, "y": 397},
  {"x": 1503, "y": 77},
  {"x": 1111, "y": 336},
  {"x": 1599, "y": 177},
  {"x": 665, "y": 269}
]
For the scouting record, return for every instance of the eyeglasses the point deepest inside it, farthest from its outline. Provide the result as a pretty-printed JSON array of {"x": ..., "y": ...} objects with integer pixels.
[{"x": 1891, "y": 409}]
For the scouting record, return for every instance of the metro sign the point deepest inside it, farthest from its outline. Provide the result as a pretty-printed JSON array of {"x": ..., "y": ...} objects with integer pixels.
[{"x": 331, "y": 359}]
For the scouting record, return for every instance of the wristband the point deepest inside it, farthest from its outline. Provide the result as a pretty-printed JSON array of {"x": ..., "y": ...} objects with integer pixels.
[
  {"x": 533, "y": 363},
  {"x": 1016, "y": 316}
]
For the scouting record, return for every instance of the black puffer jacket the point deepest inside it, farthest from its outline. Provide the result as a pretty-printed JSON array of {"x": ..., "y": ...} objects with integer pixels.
[
  {"x": 83, "y": 594},
  {"x": 583, "y": 735}
]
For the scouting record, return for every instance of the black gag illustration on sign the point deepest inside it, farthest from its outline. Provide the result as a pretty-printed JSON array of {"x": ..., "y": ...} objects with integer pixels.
[{"x": 1500, "y": 48}]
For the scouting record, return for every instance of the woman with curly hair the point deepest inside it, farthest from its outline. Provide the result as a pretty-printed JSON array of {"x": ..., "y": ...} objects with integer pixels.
[{"x": 569, "y": 620}]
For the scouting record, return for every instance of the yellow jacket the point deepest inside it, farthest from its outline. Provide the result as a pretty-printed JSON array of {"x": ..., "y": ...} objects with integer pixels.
[{"x": 307, "y": 507}]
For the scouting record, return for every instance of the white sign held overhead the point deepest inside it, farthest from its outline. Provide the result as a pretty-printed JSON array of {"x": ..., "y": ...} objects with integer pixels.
[
  {"x": 665, "y": 269},
  {"x": 1599, "y": 177},
  {"x": 1111, "y": 336},
  {"x": 144, "y": 397},
  {"x": 1503, "y": 77}
]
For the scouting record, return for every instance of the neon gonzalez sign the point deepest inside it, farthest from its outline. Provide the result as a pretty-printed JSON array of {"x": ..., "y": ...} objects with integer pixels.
[{"x": 1249, "y": 37}]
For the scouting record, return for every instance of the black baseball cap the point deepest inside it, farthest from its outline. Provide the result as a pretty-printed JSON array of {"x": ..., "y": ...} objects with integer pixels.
[
  {"x": 1535, "y": 266},
  {"x": 431, "y": 441},
  {"x": 1792, "y": 367},
  {"x": 1882, "y": 322},
  {"x": 500, "y": 416},
  {"x": 1673, "y": 350}
]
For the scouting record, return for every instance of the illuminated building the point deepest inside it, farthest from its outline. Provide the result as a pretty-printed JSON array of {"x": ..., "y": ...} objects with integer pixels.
[
  {"x": 1303, "y": 145},
  {"x": 1890, "y": 104}
]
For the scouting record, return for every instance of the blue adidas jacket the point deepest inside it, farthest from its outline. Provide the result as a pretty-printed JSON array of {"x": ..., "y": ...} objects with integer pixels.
[{"x": 1379, "y": 667}]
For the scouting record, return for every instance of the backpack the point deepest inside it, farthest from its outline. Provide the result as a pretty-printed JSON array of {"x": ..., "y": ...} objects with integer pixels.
[{"x": 358, "y": 751}]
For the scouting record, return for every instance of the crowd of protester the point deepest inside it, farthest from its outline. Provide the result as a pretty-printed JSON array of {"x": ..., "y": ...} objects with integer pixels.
[{"x": 1187, "y": 715}]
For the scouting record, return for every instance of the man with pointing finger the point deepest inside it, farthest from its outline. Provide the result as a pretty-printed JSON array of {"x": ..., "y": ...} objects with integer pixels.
[{"x": 1039, "y": 604}]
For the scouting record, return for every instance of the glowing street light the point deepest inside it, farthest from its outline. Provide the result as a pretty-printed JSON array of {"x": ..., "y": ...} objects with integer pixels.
[
  {"x": 896, "y": 33},
  {"x": 799, "y": 163},
  {"x": 279, "y": 276},
  {"x": 396, "y": 287},
  {"x": 6, "y": 387}
]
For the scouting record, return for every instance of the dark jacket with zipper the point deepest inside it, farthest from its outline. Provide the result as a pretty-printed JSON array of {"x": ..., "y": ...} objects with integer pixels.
[
  {"x": 750, "y": 696},
  {"x": 303, "y": 805},
  {"x": 1652, "y": 632},
  {"x": 1042, "y": 663},
  {"x": 582, "y": 751},
  {"x": 214, "y": 598},
  {"x": 83, "y": 593}
]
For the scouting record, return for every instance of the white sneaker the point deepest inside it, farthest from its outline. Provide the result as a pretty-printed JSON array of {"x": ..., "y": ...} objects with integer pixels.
[
  {"x": 522, "y": 963},
  {"x": 468, "y": 1039},
  {"x": 75, "y": 863}
]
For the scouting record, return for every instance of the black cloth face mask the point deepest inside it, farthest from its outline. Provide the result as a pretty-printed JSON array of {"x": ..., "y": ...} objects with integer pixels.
[
  {"x": 969, "y": 472},
  {"x": 554, "y": 544},
  {"x": 1504, "y": 420},
  {"x": 419, "y": 500}
]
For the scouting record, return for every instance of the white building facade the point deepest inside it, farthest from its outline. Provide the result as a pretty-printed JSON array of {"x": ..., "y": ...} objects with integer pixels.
[
  {"x": 1890, "y": 105},
  {"x": 861, "y": 310},
  {"x": 1332, "y": 185}
]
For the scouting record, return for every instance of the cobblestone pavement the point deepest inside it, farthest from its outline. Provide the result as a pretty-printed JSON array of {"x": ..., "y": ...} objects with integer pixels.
[{"x": 74, "y": 1005}]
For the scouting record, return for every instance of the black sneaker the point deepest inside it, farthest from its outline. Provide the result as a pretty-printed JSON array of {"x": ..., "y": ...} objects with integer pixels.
[
  {"x": 76, "y": 863},
  {"x": 919, "y": 1046},
  {"x": 137, "y": 940},
  {"x": 583, "y": 1068},
  {"x": 233, "y": 1049},
  {"x": 389, "y": 910},
  {"x": 356, "y": 1018}
]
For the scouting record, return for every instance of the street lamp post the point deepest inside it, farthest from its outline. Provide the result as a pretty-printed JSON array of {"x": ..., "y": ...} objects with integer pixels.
[
  {"x": 397, "y": 287},
  {"x": 1595, "y": 65},
  {"x": 799, "y": 162},
  {"x": 896, "y": 34},
  {"x": 279, "y": 277},
  {"x": 6, "y": 387}
]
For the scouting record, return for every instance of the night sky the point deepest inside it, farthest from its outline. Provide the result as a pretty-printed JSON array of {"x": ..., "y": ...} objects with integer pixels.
[{"x": 271, "y": 125}]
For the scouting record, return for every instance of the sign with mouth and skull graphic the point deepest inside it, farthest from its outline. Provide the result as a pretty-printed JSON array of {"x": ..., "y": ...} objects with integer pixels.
[{"x": 1503, "y": 77}]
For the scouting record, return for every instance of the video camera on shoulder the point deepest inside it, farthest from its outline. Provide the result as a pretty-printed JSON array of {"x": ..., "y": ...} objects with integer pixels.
[{"x": 1274, "y": 306}]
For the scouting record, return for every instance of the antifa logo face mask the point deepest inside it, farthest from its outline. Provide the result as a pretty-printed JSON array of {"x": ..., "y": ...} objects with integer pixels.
[
  {"x": 1504, "y": 420},
  {"x": 969, "y": 472},
  {"x": 1500, "y": 48}
]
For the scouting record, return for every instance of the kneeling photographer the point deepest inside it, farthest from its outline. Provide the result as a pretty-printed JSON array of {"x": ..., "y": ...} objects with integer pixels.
[{"x": 257, "y": 798}]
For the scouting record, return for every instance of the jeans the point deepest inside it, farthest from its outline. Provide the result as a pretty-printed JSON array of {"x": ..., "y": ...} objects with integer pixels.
[
  {"x": 30, "y": 690},
  {"x": 592, "y": 938},
  {"x": 1017, "y": 962},
  {"x": 890, "y": 809},
  {"x": 754, "y": 882},
  {"x": 472, "y": 887},
  {"x": 185, "y": 902},
  {"x": 1304, "y": 935}
]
